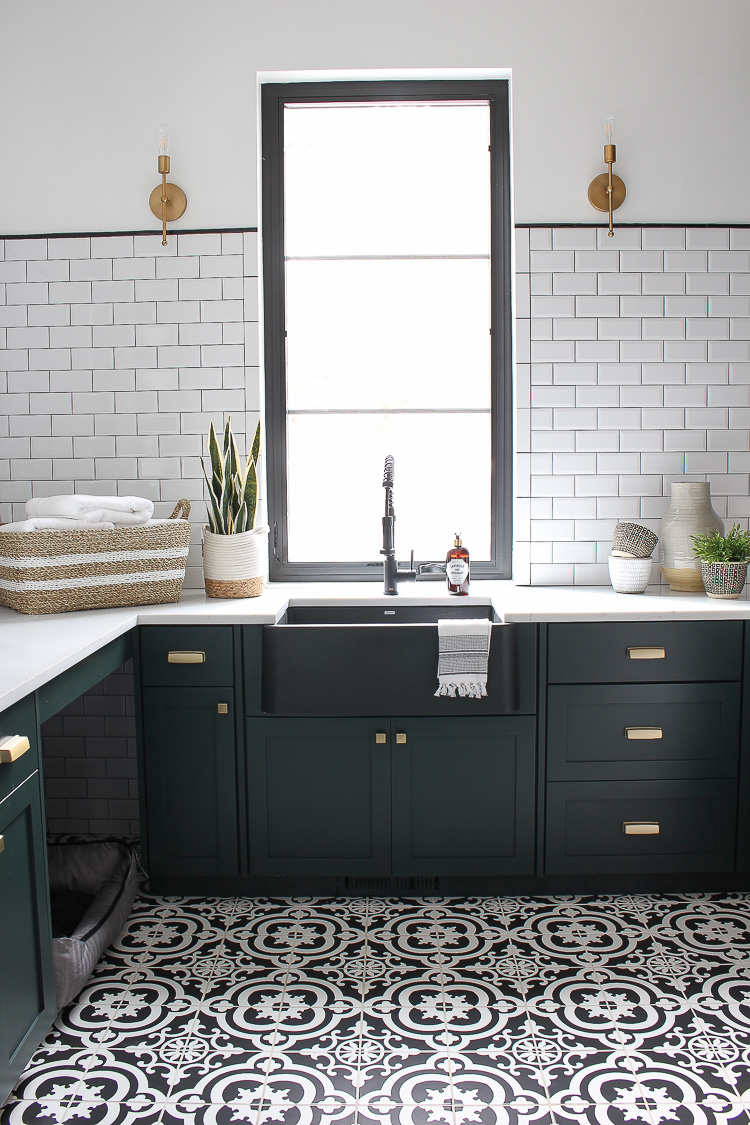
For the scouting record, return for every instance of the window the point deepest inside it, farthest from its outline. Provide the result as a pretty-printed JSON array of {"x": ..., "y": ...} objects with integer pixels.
[{"x": 386, "y": 263}]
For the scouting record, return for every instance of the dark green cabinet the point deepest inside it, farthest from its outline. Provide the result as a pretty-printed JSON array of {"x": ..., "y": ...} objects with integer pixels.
[
  {"x": 318, "y": 796},
  {"x": 27, "y": 987},
  {"x": 189, "y": 766},
  {"x": 463, "y": 796},
  {"x": 391, "y": 796}
]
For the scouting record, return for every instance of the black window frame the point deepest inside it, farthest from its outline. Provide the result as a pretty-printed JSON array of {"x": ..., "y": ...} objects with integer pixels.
[{"x": 274, "y": 96}]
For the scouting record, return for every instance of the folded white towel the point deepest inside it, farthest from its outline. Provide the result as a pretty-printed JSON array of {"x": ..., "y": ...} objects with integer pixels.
[
  {"x": 464, "y": 649},
  {"x": 125, "y": 510},
  {"x": 55, "y": 523}
]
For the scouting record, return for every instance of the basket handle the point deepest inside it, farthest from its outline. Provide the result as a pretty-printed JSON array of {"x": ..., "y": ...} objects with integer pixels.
[{"x": 181, "y": 510}]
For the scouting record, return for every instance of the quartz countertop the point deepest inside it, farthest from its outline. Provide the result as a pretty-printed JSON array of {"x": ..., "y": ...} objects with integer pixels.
[{"x": 36, "y": 648}]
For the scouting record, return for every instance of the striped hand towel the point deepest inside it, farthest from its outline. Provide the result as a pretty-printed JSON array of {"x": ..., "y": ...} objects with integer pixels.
[{"x": 464, "y": 649}]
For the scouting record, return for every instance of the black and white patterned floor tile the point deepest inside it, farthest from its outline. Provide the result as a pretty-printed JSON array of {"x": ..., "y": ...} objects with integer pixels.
[{"x": 494, "y": 1011}]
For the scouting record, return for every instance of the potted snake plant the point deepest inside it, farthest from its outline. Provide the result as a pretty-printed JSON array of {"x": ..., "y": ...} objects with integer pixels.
[
  {"x": 234, "y": 549},
  {"x": 724, "y": 560}
]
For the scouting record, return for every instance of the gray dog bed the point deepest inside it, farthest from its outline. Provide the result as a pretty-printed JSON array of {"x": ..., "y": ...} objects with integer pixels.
[{"x": 92, "y": 887}]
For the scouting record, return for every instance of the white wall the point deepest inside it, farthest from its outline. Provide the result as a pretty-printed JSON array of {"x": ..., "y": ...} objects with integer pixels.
[{"x": 83, "y": 84}]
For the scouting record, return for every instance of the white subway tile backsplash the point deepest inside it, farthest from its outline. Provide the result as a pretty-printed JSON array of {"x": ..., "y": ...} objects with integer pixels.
[
  {"x": 566, "y": 283},
  {"x": 43, "y": 270},
  {"x": 641, "y": 261},
  {"x": 624, "y": 238},
  {"x": 88, "y": 269},
  {"x": 619, "y": 283},
  {"x": 574, "y": 238},
  {"x": 178, "y": 267}
]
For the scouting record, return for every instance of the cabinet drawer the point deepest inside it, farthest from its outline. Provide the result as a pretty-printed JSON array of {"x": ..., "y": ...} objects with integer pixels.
[
  {"x": 187, "y": 655},
  {"x": 673, "y": 826},
  {"x": 645, "y": 651},
  {"x": 641, "y": 731},
  {"x": 20, "y": 719}
]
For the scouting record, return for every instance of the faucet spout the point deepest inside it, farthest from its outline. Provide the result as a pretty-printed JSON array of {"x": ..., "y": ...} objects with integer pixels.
[{"x": 390, "y": 566}]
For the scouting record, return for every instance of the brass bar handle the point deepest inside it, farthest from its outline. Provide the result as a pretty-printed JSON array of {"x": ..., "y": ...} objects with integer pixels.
[
  {"x": 186, "y": 658},
  {"x": 222, "y": 708},
  {"x": 381, "y": 737},
  {"x": 12, "y": 748},
  {"x": 640, "y": 827},
  {"x": 646, "y": 652},
  {"x": 2, "y": 843},
  {"x": 400, "y": 738},
  {"x": 643, "y": 733}
]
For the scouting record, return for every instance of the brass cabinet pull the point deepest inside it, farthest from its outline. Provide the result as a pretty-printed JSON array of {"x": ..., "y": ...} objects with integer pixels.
[
  {"x": 12, "y": 748},
  {"x": 641, "y": 733},
  {"x": 186, "y": 658},
  {"x": 2, "y": 843},
  {"x": 646, "y": 652},
  {"x": 381, "y": 737},
  {"x": 222, "y": 708},
  {"x": 640, "y": 827},
  {"x": 400, "y": 738}
]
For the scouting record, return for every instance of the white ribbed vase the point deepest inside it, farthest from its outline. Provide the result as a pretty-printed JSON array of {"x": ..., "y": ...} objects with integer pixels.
[
  {"x": 689, "y": 513},
  {"x": 234, "y": 566}
]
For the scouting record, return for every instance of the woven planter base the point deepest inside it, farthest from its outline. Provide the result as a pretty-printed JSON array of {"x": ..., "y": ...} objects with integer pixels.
[{"x": 244, "y": 588}]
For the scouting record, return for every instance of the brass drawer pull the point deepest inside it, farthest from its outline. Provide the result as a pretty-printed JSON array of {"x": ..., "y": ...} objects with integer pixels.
[
  {"x": 381, "y": 737},
  {"x": 400, "y": 738},
  {"x": 186, "y": 658},
  {"x": 222, "y": 708},
  {"x": 2, "y": 843},
  {"x": 644, "y": 652},
  {"x": 12, "y": 748},
  {"x": 640, "y": 827},
  {"x": 642, "y": 733}
]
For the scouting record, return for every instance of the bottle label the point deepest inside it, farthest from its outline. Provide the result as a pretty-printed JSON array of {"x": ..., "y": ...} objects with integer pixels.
[{"x": 457, "y": 571}]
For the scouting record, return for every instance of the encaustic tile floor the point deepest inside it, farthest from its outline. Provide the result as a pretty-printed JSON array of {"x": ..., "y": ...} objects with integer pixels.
[{"x": 407, "y": 1012}]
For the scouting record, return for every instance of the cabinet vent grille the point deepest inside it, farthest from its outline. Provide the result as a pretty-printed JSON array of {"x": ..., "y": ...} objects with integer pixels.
[{"x": 393, "y": 884}]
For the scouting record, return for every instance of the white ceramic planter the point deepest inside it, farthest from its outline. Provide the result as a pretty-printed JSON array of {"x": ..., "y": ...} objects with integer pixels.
[
  {"x": 234, "y": 566},
  {"x": 629, "y": 576}
]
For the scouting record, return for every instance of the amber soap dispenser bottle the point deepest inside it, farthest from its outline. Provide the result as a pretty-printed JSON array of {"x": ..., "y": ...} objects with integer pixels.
[{"x": 457, "y": 567}]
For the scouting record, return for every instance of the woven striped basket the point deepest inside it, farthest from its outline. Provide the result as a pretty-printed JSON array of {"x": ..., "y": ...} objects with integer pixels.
[{"x": 57, "y": 571}]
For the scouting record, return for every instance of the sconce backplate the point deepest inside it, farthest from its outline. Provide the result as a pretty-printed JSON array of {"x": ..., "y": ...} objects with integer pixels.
[
  {"x": 598, "y": 192},
  {"x": 176, "y": 201}
]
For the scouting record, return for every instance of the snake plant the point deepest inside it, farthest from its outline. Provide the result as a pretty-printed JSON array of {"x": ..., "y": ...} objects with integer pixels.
[{"x": 232, "y": 490}]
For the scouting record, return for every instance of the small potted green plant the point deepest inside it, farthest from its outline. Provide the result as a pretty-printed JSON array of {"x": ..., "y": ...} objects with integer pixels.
[
  {"x": 724, "y": 560},
  {"x": 234, "y": 549}
]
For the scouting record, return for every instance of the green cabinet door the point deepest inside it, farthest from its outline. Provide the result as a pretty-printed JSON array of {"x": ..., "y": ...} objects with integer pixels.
[
  {"x": 27, "y": 986},
  {"x": 318, "y": 796},
  {"x": 190, "y": 781},
  {"x": 463, "y": 796}
]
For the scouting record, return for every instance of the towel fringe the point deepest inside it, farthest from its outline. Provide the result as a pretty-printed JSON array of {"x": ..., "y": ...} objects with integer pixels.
[{"x": 470, "y": 690}]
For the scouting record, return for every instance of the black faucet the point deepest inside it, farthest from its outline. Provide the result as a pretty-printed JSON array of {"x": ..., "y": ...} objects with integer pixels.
[{"x": 391, "y": 572}]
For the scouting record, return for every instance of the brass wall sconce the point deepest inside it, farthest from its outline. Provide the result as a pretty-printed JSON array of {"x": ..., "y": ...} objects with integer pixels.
[
  {"x": 167, "y": 201},
  {"x": 607, "y": 192}
]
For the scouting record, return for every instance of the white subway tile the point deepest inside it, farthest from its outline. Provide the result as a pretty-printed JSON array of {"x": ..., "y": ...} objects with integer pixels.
[
  {"x": 23, "y": 382},
  {"x": 663, "y": 238},
  {"x": 740, "y": 328},
  {"x": 15, "y": 273},
  {"x": 618, "y": 374},
  {"x": 739, "y": 283},
  {"x": 597, "y": 351},
  {"x": 664, "y": 418},
  {"x": 739, "y": 462},
  {"x": 70, "y": 380},
  {"x": 578, "y": 328},
  {"x": 641, "y": 261},
  {"x": 599, "y": 485},
  {"x": 229, "y": 401},
  {"x": 686, "y": 306},
  {"x": 202, "y": 334},
  {"x": 102, "y": 358},
  {"x": 200, "y": 289},
  {"x": 553, "y": 441},
  {"x": 27, "y": 294},
  {"x": 231, "y": 242},
  {"x": 697, "y": 418},
  {"x": 711, "y": 283},
  {"x": 156, "y": 423},
  {"x": 686, "y": 261},
  {"x": 725, "y": 439},
  {"x": 38, "y": 469},
  {"x": 136, "y": 357},
  {"x": 731, "y": 351},
  {"x": 189, "y": 244},
  {"x": 149, "y": 246},
  {"x": 574, "y": 508},
  {"x": 685, "y": 351},
  {"x": 70, "y": 336},
  {"x": 624, "y": 238},
  {"x": 552, "y": 485},
  {"x": 618, "y": 463},
  {"x": 541, "y": 373},
  {"x": 27, "y": 337},
  {"x": 156, "y": 379},
  {"x": 620, "y": 283},
  {"x": 136, "y": 402},
  {"x": 112, "y": 246},
  {"x": 50, "y": 359},
  {"x": 219, "y": 266},
  {"x": 537, "y": 553},
  {"x": 15, "y": 316},
  {"x": 552, "y": 351},
  {"x": 597, "y": 396},
  {"x": 704, "y": 373},
  {"x": 45, "y": 271},
  {"x": 739, "y": 372},
  {"x": 113, "y": 290},
  {"x": 729, "y": 261},
  {"x": 577, "y": 284},
  {"x": 25, "y": 249},
  {"x": 665, "y": 283},
  {"x": 179, "y": 356},
  {"x": 143, "y": 313},
  {"x": 574, "y": 552},
  {"x": 707, "y": 238},
  {"x": 560, "y": 306},
  {"x": 165, "y": 289},
  {"x": 115, "y": 468},
  {"x": 90, "y": 314},
  {"x": 641, "y": 306},
  {"x": 14, "y": 359},
  {"x": 541, "y": 418},
  {"x": 729, "y": 484},
  {"x": 125, "y": 423},
  {"x": 553, "y": 396},
  {"x": 621, "y": 419},
  {"x": 663, "y": 463},
  {"x": 739, "y": 417},
  {"x": 89, "y": 269},
  {"x": 69, "y": 293},
  {"x": 572, "y": 374},
  {"x": 585, "y": 574},
  {"x": 177, "y": 312},
  {"x": 134, "y": 269},
  {"x": 575, "y": 463},
  {"x": 129, "y": 446},
  {"x": 521, "y": 236},
  {"x": 540, "y": 283},
  {"x": 595, "y": 529},
  {"x": 17, "y": 404},
  {"x": 521, "y": 298},
  {"x": 597, "y": 441},
  {"x": 540, "y": 238},
  {"x": 574, "y": 238},
  {"x": 597, "y": 261},
  {"x": 72, "y": 424},
  {"x": 707, "y": 328},
  {"x": 597, "y": 306},
  {"x": 685, "y": 396},
  {"x": 94, "y": 446},
  {"x": 233, "y": 333},
  {"x": 663, "y": 328},
  {"x": 150, "y": 335},
  {"x": 552, "y": 530},
  {"x": 181, "y": 400},
  {"x": 739, "y": 238},
  {"x": 59, "y": 403},
  {"x": 178, "y": 267},
  {"x": 123, "y": 380},
  {"x": 619, "y": 328},
  {"x": 701, "y": 462},
  {"x": 617, "y": 508},
  {"x": 113, "y": 336},
  {"x": 729, "y": 306},
  {"x": 552, "y": 261},
  {"x": 563, "y": 419},
  {"x": 41, "y": 314}
]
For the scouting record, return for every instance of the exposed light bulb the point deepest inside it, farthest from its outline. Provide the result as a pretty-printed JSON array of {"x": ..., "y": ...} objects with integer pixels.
[
  {"x": 162, "y": 140},
  {"x": 609, "y": 128}
]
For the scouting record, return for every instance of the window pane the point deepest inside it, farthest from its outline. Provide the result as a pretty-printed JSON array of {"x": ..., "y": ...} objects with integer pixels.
[
  {"x": 335, "y": 476},
  {"x": 384, "y": 179},
  {"x": 388, "y": 334}
]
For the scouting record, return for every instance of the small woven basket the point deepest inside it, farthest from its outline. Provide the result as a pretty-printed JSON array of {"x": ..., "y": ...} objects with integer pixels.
[
  {"x": 58, "y": 571},
  {"x": 634, "y": 540}
]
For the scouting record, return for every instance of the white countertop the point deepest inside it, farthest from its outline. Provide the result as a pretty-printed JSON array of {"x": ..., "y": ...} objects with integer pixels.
[{"x": 35, "y": 649}]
